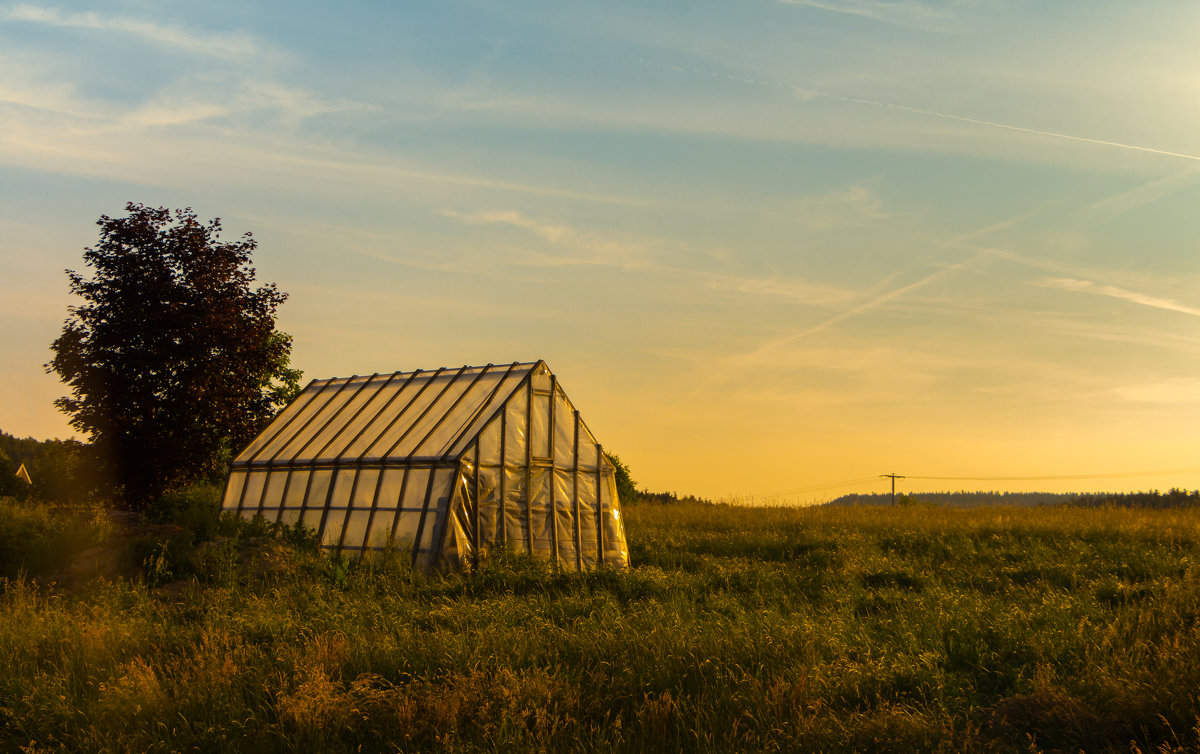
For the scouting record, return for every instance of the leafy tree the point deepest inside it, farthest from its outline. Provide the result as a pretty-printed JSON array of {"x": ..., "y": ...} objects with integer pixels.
[
  {"x": 173, "y": 355},
  {"x": 60, "y": 471},
  {"x": 626, "y": 488}
]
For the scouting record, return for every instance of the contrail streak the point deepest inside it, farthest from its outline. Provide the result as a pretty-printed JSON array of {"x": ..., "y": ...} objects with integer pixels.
[
  {"x": 734, "y": 363},
  {"x": 1087, "y": 286},
  {"x": 1006, "y": 126},
  {"x": 860, "y": 308},
  {"x": 808, "y": 93}
]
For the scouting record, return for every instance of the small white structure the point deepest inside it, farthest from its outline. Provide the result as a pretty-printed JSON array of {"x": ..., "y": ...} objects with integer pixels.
[
  {"x": 23, "y": 473},
  {"x": 450, "y": 462}
]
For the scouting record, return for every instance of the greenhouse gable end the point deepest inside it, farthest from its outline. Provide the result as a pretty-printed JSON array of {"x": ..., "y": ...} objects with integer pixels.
[{"x": 451, "y": 463}]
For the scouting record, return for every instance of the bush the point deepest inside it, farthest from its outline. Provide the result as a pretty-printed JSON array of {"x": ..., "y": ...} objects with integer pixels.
[
  {"x": 626, "y": 487},
  {"x": 195, "y": 508},
  {"x": 37, "y": 540}
]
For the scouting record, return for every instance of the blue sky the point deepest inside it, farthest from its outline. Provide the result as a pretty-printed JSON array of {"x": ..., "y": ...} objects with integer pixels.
[{"x": 765, "y": 245}]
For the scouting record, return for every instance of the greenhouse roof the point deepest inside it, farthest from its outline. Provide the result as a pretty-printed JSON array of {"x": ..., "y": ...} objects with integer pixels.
[{"x": 404, "y": 417}]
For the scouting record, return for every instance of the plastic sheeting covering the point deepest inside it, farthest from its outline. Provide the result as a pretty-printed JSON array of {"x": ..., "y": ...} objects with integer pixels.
[{"x": 449, "y": 464}]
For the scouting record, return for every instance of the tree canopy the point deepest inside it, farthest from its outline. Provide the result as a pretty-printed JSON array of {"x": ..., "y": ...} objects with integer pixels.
[{"x": 173, "y": 357}]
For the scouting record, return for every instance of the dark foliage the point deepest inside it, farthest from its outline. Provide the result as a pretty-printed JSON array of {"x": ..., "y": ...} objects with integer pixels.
[
  {"x": 10, "y": 485},
  {"x": 957, "y": 499},
  {"x": 57, "y": 469},
  {"x": 1175, "y": 498},
  {"x": 173, "y": 356},
  {"x": 669, "y": 498},
  {"x": 626, "y": 487}
]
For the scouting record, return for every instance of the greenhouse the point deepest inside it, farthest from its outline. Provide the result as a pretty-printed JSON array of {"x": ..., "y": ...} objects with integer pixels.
[{"x": 447, "y": 464}]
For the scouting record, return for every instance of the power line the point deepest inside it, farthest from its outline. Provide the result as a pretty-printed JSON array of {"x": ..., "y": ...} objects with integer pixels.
[
  {"x": 1054, "y": 477},
  {"x": 818, "y": 487},
  {"x": 929, "y": 478},
  {"x": 893, "y": 477}
]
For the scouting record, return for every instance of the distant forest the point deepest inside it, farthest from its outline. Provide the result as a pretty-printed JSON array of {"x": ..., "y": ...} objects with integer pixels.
[
  {"x": 1174, "y": 498},
  {"x": 60, "y": 472},
  {"x": 57, "y": 469}
]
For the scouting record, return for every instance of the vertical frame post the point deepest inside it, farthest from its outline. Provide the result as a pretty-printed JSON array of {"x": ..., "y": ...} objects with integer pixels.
[
  {"x": 550, "y": 437},
  {"x": 374, "y": 504},
  {"x": 399, "y": 506},
  {"x": 287, "y": 483},
  {"x": 424, "y": 511},
  {"x": 529, "y": 464},
  {"x": 575, "y": 499},
  {"x": 599, "y": 506},
  {"x": 503, "y": 476},
  {"x": 475, "y": 512}
]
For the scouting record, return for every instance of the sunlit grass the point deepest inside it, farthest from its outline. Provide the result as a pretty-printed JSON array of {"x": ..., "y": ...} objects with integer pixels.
[{"x": 826, "y": 629}]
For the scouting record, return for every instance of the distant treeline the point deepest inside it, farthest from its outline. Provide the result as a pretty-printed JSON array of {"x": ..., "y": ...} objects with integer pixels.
[
  {"x": 58, "y": 469},
  {"x": 1175, "y": 498},
  {"x": 663, "y": 498}
]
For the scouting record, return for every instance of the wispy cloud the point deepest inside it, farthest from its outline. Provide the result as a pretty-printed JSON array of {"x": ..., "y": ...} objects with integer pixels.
[
  {"x": 366, "y": 170},
  {"x": 667, "y": 260},
  {"x": 1011, "y": 127},
  {"x": 284, "y": 105},
  {"x": 812, "y": 129},
  {"x": 1137, "y": 337},
  {"x": 874, "y": 301},
  {"x": 1112, "y": 291},
  {"x": 854, "y": 205},
  {"x": 573, "y": 246},
  {"x": 552, "y": 232},
  {"x": 25, "y": 86},
  {"x": 293, "y": 103},
  {"x": 54, "y": 128},
  {"x": 1140, "y": 196},
  {"x": 797, "y": 290},
  {"x": 51, "y": 116},
  {"x": 770, "y": 351},
  {"x": 1163, "y": 392},
  {"x": 227, "y": 46},
  {"x": 896, "y": 12},
  {"x": 964, "y": 239},
  {"x": 162, "y": 113}
]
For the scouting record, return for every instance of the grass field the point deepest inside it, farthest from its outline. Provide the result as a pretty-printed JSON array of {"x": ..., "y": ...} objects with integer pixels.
[{"x": 826, "y": 629}]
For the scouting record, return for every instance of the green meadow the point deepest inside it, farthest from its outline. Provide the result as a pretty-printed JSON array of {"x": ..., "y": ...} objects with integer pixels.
[{"x": 856, "y": 628}]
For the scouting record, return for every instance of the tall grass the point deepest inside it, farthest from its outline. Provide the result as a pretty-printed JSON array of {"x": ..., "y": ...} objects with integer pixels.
[
  {"x": 39, "y": 540},
  {"x": 833, "y": 629}
]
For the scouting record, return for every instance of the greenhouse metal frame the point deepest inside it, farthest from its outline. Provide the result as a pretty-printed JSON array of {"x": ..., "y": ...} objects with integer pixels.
[{"x": 451, "y": 463}]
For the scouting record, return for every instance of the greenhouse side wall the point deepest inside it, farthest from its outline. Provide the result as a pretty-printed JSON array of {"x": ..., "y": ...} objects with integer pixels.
[{"x": 554, "y": 494}]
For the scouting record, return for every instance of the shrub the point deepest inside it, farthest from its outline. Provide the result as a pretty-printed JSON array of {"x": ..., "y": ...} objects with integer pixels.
[
  {"x": 38, "y": 540},
  {"x": 195, "y": 508}
]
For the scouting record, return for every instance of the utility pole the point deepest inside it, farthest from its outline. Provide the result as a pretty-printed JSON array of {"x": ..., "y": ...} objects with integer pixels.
[{"x": 893, "y": 477}]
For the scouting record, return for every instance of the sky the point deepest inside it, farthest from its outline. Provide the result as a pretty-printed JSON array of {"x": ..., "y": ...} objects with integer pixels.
[{"x": 772, "y": 249}]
